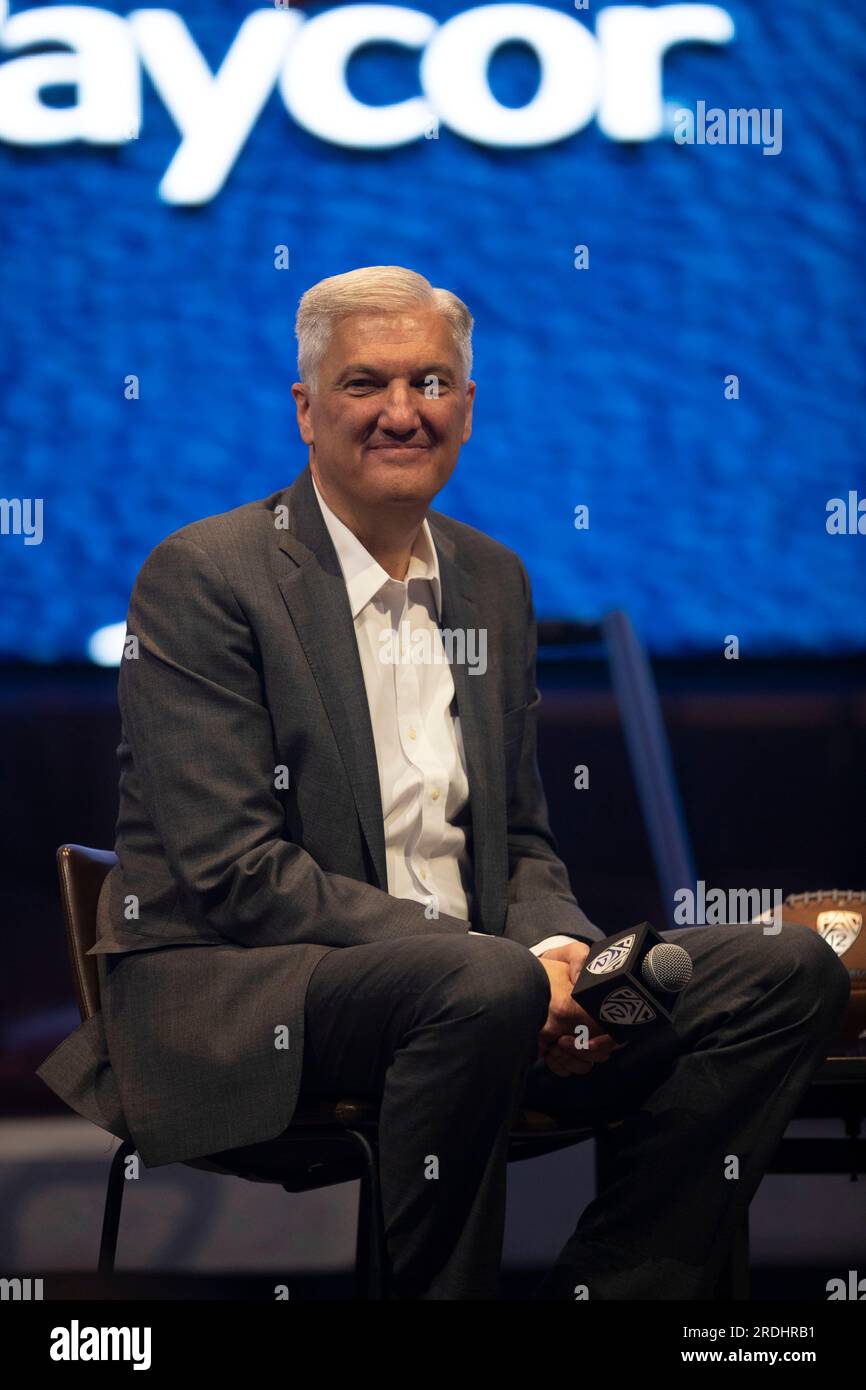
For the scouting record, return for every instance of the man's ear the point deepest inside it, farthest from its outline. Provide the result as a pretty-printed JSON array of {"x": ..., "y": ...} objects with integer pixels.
[
  {"x": 470, "y": 400},
  {"x": 301, "y": 393}
]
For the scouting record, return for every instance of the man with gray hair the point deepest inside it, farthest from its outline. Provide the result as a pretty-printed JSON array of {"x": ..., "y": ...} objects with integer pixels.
[{"x": 315, "y": 831}]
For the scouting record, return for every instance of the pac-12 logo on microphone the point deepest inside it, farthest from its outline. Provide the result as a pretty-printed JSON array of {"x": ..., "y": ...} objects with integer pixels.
[
  {"x": 625, "y": 1005},
  {"x": 612, "y": 957}
]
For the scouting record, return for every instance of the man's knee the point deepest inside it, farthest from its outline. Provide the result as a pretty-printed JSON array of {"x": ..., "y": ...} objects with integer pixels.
[
  {"x": 818, "y": 966},
  {"x": 802, "y": 960},
  {"x": 792, "y": 956},
  {"x": 503, "y": 983}
]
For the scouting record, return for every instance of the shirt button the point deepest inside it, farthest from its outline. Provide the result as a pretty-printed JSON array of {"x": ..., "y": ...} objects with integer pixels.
[
  {"x": 423, "y": 873},
  {"x": 435, "y": 794},
  {"x": 412, "y": 733}
]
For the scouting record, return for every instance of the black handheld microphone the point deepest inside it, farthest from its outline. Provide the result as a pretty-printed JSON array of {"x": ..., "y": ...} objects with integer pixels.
[{"x": 631, "y": 981}]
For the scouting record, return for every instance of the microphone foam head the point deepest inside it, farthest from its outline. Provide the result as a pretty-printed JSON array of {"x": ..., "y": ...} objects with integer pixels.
[{"x": 667, "y": 966}]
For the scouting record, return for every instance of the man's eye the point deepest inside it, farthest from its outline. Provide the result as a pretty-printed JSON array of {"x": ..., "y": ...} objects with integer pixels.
[{"x": 423, "y": 384}]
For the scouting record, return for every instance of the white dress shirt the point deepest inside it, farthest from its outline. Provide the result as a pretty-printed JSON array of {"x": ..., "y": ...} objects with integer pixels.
[{"x": 423, "y": 778}]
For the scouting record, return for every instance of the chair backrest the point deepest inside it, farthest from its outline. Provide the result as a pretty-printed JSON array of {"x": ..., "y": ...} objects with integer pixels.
[{"x": 82, "y": 872}]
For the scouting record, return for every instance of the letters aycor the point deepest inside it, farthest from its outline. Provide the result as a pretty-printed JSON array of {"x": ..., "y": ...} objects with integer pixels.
[{"x": 614, "y": 74}]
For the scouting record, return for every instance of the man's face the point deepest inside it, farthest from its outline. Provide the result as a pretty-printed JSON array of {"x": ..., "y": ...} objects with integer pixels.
[{"x": 391, "y": 409}]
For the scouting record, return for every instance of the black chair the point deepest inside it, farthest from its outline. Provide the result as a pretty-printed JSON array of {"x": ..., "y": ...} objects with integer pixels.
[{"x": 327, "y": 1142}]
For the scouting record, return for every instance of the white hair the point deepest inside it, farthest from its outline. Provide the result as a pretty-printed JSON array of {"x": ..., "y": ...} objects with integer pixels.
[{"x": 372, "y": 289}]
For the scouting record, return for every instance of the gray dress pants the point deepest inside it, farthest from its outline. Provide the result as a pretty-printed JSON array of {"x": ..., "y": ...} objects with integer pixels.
[{"x": 443, "y": 1030}]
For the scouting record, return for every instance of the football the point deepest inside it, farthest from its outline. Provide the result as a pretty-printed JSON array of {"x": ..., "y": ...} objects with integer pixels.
[{"x": 837, "y": 916}]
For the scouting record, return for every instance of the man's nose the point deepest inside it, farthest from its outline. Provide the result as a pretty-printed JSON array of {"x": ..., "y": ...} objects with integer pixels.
[{"x": 399, "y": 413}]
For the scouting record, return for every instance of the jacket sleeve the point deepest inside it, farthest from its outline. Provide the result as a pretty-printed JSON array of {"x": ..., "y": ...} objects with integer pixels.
[
  {"x": 540, "y": 900},
  {"x": 201, "y": 738}
]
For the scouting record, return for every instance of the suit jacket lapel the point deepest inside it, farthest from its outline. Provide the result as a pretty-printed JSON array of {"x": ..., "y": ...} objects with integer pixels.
[
  {"x": 315, "y": 595},
  {"x": 478, "y": 709}
]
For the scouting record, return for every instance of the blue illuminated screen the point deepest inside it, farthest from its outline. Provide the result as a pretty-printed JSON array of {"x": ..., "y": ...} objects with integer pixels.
[{"x": 693, "y": 378}]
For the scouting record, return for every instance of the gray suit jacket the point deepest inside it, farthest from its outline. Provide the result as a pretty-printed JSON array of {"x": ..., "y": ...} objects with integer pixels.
[{"x": 230, "y": 886}]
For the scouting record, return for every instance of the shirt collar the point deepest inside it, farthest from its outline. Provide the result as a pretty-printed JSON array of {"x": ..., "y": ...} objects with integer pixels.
[{"x": 364, "y": 576}]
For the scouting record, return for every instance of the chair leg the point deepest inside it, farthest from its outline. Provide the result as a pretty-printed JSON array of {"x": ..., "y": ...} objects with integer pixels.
[
  {"x": 734, "y": 1283},
  {"x": 113, "y": 1203},
  {"x": 371, "y": 1262},
  {"x": 362, "y": 1242}
]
